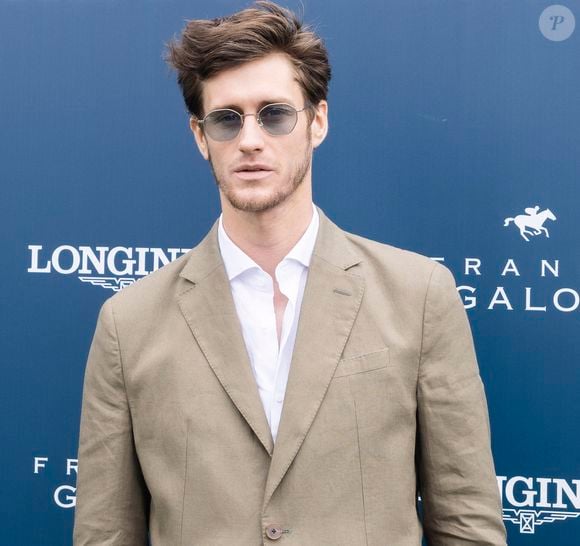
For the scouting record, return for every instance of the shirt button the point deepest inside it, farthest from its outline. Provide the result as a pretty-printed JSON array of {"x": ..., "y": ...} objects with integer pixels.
[{"x": 273, "y": 532}]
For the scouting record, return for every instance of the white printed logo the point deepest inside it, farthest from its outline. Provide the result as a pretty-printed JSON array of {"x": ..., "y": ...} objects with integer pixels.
[
  {"x": 528, "y": 519},
  {"x": 64, "y": 495},
  {"x": 537, "y": 501},
  {"x": 113, "y": 268},
  {"x": 112, "y": 283},
  {"x": 531, "y": 223},
  {"x": 527, "y": 294},
  {"x": 557, "y": 23}
]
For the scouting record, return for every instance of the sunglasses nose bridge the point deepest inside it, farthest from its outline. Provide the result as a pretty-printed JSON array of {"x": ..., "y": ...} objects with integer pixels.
[
  {"x": 250, "y": 135},
  {"x": 256, "y": 115}
]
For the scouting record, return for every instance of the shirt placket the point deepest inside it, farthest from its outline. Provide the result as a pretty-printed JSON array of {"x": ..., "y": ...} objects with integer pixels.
[
  {"x": 260, "y": 313},
  {"x": 288, "y": 280}
]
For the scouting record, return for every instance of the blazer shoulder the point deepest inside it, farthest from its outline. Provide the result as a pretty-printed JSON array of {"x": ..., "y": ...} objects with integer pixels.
[
  {"x": 395, "y": 261},
  {"x": 152, "y": 294}
]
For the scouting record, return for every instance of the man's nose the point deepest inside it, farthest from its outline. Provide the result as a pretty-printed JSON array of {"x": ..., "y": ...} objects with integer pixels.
[{"x": 251, "y": 137}]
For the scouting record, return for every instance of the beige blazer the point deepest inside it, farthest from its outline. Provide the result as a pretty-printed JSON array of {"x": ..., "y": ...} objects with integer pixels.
[{"x": 384, "y": 402}]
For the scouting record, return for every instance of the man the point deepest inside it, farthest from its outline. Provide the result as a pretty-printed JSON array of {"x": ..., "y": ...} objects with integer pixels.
[{"x": 284, "y": 380}]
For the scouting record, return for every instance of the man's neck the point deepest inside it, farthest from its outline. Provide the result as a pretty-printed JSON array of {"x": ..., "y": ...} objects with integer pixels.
[{"x": 268, "y": 236}]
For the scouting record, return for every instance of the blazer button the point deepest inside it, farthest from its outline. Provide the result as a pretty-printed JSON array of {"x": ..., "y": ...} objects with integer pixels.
[{"x": 273, "y": 532}]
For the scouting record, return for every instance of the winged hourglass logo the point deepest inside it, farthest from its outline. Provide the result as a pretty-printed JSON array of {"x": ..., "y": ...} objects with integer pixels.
[{"x": 528, "y": 520}]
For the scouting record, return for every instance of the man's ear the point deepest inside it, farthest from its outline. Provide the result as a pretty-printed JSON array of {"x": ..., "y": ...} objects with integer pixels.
[
  {"x": 319, "y": 125},
  {"x": 200, "y": 139}
]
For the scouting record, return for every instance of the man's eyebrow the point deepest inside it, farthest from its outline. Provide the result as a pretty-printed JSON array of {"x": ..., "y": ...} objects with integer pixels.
[
  {"x": 283, "y": 100},
  {"x": 261, "y": 104}
]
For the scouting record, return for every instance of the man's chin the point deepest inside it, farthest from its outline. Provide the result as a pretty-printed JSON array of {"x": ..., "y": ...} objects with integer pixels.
[{"x": 254, "y": 203}]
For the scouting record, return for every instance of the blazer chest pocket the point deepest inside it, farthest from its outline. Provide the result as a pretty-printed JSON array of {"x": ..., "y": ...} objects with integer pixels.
[{"x": 367, "y": 362}]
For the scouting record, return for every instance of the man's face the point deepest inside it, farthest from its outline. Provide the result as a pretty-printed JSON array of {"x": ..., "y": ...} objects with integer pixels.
[{"x": 256, "y": 171}]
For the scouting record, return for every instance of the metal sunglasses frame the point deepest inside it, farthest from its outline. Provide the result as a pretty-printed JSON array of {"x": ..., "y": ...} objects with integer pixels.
[{"x": 201, "y": 122}]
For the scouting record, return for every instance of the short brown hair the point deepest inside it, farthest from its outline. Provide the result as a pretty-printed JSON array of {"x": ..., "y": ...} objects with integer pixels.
[{"x": 206, "y": 47}]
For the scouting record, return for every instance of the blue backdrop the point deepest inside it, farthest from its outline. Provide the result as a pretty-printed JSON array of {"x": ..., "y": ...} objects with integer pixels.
[{"x": 447, "y": 118}]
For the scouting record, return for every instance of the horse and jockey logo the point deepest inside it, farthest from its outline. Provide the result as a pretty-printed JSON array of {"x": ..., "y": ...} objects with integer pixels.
[{"x": 531, "y": 223}]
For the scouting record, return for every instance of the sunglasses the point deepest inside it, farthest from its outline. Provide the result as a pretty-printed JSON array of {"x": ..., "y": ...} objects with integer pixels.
[{"x": 225, "y": 124}]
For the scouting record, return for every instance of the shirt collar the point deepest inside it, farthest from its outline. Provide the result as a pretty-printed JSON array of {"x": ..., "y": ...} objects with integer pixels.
[{"x": 236, "y": 261}]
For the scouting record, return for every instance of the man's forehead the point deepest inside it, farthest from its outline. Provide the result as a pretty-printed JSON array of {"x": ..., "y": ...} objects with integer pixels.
[{"x": 269, "y": 79}]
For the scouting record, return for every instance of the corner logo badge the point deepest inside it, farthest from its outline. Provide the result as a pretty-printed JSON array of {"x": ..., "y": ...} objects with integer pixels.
[
  {"x": 557, "y": 23},
  {"x": 532, "y": 222}
]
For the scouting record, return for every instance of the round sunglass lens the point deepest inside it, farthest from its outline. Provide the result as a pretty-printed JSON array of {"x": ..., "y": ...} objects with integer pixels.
[
  {"x": 223, "y": 124},
  {"x": 278, "y": 119}
]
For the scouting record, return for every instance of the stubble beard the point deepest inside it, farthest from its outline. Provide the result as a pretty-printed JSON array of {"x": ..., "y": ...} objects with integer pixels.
[{"x": 297, "y": 176}]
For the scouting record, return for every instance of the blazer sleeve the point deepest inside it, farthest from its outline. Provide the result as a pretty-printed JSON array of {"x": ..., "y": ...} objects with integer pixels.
[
  {"x": 112, "y": 498},
  {"x": 457, "y": 482}
]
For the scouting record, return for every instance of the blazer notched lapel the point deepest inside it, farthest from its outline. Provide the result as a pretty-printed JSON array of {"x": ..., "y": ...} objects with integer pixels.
[
  {"x": 209, "y": 309},
  {"x": 331, "y": 301}
]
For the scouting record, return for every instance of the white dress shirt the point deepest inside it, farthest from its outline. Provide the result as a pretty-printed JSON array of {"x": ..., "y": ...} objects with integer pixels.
[{"x": 253, "y": 293}]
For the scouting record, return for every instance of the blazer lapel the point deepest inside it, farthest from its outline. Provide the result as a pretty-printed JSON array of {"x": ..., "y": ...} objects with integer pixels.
[
  {"x": 330, "y": 304},
  {"x": 210, "y": 312}
]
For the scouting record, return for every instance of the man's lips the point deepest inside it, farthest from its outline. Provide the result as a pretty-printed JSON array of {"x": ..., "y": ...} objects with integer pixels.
[{"x": 252, "y": 171}]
